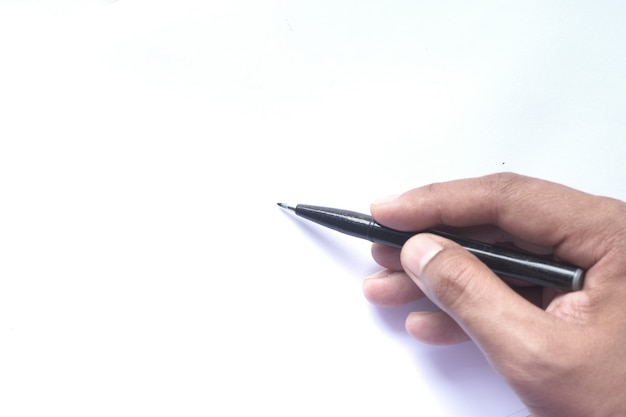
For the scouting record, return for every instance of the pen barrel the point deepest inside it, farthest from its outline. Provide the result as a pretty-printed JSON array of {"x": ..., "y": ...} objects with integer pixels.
[
  {"x": 519, "y": 265},
  {"x": 523, "y": 266}
]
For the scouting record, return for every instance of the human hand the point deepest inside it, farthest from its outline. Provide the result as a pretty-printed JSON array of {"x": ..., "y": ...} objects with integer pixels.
[{"x": 563, "y": 353}]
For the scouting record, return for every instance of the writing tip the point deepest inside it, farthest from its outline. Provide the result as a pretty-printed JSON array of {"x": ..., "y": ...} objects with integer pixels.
[{"x": 285, "y": 206}]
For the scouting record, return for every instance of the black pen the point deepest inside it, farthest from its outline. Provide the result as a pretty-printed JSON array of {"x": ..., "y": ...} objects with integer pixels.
[{"x": 503, "y": 261}]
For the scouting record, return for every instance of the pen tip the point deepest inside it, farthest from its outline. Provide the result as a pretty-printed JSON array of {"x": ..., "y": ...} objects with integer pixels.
[{"x": 285, "y": 206}]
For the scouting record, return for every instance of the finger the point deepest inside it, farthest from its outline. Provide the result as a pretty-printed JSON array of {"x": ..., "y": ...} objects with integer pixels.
[
  {"x": 389, "y": 288},
  {"x": 536, "y": 211},
  {"x": 435, "y": 328},
  {"x": 494, "y": 234},
  {"x": 387, "y": 257},
  {"x": 487, "y": 310},
  {"x": 438, "y": 328}
]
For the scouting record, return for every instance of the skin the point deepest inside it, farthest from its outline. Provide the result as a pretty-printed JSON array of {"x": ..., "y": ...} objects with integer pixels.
[{"x": 562, "y": 353}]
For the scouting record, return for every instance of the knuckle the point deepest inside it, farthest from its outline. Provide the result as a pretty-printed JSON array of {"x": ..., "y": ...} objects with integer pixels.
[
  {"x": 456, "y": 277},
  {"x": 503, "y": 182},
  {"x": 504, "y": 188}
]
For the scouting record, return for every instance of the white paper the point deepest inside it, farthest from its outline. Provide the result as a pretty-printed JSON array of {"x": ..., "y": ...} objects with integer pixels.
[{"x": 145, "y": 267}]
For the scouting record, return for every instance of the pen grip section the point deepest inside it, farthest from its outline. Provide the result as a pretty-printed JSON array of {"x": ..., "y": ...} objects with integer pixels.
[{"x": 344, "y": 221}]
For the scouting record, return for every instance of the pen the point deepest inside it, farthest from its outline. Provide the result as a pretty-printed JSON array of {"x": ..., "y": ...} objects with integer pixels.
[{"x": 503, "y": 261}]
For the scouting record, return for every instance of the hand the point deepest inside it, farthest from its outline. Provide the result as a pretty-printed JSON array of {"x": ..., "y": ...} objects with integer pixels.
[{"x": 563, "y": 353}]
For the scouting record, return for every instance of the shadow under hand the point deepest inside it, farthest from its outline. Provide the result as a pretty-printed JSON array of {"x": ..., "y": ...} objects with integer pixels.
[
  {"x": 449, "y": 361},
  {"x": 393, "y": 318},
  {"x": 460, "y": 370}
]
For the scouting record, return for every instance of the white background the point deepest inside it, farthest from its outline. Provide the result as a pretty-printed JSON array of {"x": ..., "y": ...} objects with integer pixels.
[{"x": 144, "y": 266}]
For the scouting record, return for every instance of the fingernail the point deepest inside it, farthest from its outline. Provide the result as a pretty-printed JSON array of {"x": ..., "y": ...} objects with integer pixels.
[
  {"x": 385, "y": 199},
  {"x": 380, "y": 274},
  {"x": 418, "y": 252}
]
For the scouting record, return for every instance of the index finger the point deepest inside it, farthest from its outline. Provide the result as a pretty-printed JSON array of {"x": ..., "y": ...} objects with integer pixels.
[{"x": 536, "y": 211}]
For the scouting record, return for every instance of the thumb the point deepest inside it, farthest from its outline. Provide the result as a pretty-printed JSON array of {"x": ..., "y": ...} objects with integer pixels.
[{"x": 487, "y": 309}]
